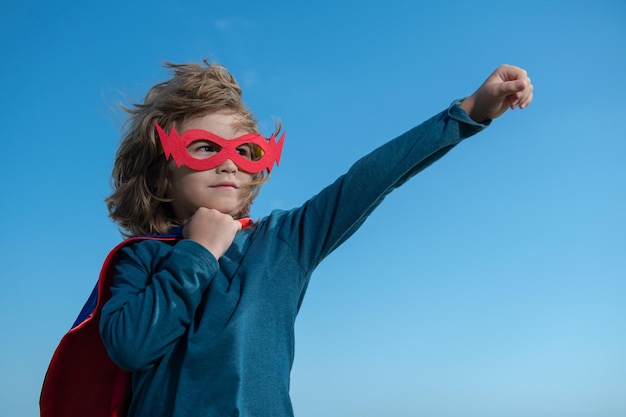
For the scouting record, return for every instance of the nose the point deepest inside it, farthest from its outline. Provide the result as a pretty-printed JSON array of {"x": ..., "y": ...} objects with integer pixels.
[{"x": 227, "y": 167}]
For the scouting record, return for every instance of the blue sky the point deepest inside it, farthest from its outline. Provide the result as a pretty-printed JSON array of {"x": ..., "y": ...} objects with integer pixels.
[{"x": 492, "y": 284}]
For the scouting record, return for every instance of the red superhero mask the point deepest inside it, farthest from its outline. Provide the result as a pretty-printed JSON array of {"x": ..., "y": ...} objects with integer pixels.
[{"x": 252, "y": 152}]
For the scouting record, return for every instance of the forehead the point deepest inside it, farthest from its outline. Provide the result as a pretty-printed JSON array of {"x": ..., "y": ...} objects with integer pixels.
[{"x": 224, "y": 124}]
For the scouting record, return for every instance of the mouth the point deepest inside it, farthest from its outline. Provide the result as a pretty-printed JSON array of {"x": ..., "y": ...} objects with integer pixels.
[{"x": 226, "y": 185}]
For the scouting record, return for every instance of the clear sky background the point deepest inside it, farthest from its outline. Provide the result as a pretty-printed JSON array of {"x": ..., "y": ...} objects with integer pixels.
[{"x": 493, "y": 284}]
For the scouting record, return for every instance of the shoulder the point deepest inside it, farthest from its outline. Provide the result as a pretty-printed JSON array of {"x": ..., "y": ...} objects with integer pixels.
[
  {"x": 150, "y": 250},
  {"x": 148, "y": 245},
  {"x": 278, "y": 223}
]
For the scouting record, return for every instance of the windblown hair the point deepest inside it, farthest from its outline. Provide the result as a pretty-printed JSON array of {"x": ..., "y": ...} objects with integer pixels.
[{"x": 141, "y": 199}]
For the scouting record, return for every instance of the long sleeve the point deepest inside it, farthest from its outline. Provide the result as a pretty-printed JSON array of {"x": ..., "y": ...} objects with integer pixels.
[
  {"x": 152, "y": 304},
  {"x": 329, "y": 218}
]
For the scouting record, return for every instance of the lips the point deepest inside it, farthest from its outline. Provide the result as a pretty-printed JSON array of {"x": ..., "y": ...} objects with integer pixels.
[{"x": 226, "y": 184}]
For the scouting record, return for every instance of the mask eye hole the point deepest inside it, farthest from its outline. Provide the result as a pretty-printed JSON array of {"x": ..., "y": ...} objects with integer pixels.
[
  {"x": 202, "y": 149},
  {"x": 250, "y": 151}
]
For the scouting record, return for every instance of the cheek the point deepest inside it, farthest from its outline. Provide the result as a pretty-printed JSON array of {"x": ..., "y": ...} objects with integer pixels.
[
  {"x": 248, "y": 189},
  {"x": 246, "y": 179},
  {"x": 184, "y": 181}
]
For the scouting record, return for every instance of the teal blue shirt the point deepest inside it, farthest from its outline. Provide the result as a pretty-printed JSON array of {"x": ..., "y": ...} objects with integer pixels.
[{"x": 208, "y": 338}]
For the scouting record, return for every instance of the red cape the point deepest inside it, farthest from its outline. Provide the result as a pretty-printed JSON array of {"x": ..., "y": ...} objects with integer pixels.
[{"x": 82, "y": 381}]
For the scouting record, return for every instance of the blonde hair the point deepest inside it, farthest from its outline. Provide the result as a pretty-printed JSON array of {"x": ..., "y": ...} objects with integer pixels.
[{"x": 140, "y": 202}]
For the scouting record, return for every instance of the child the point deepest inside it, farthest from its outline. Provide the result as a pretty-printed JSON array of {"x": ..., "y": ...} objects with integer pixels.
[{"x": 201, "y": 317}]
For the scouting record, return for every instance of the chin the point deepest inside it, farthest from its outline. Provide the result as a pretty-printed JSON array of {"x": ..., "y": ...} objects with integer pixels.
[{"x": 230, "y": 210}]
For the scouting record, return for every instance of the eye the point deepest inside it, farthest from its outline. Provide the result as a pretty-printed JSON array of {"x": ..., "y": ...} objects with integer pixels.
[
  {"x": 250, "y": 151},
  {"x": 245, "y": 151},
  {"x": 203, "y": 149}
]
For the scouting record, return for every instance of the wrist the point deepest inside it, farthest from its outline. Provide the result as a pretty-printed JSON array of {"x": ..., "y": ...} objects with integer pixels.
[{"x": 469, "y": 106}]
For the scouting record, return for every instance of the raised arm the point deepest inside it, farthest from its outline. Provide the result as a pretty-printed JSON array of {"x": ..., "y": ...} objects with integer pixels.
[{"x": 329, "y": 218}]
